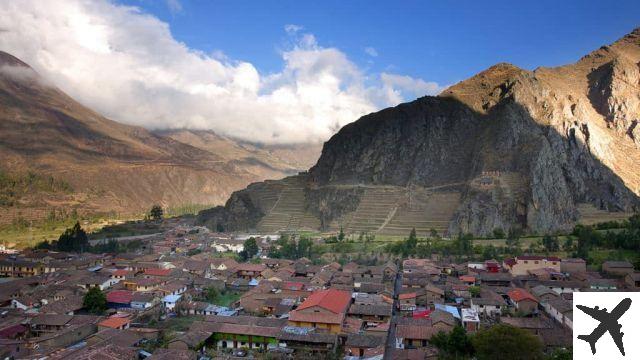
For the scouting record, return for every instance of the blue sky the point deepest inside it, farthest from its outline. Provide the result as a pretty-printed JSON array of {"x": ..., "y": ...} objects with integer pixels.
[
  {"x": 234, "y": 68},
  {"x": 441, "y": 41}
]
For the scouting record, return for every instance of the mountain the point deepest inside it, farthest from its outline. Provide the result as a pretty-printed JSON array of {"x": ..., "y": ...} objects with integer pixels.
[
  {"x": 99, "y": 165},
  {"x": 264, "y": 160},
  {"x": 541, "y": 150}
]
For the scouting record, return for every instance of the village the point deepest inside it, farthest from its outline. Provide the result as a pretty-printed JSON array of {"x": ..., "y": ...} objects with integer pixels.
[{"x": 186, "y": 294}]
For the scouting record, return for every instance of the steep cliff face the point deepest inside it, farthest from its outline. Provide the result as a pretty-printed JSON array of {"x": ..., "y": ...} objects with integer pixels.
[{"x": 507, "y": 147}]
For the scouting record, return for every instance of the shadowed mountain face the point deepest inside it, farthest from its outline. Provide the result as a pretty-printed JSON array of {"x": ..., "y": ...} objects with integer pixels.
[
  {"x": 116, "y": 167},
  {"x": 539, "y": 149}
]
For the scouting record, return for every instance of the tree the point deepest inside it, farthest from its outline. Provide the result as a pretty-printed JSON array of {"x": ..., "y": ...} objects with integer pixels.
[
  {"x": 95, "y": 301},
  {"x": 211, "y": 294},
  {"x": 411, "y": 242},
  {"x": 251, "y": 247},
  {"x": 156, "y": 212},
  {"x": 568, "y": 244},
  {"x": 454, "y": 345},
  {"x": 561, "y": 354},
  {"x": 489, "y": 252},
  {"x": 341, "y": 235},
  {"x": 506, "y": 342},
  {"x": 550, "y": 243},
  {"x": 433, "y": 233},
  {"x": 513, "y": 239},
  {"x": 474, "y": 291},
  {"x": 498, "y": 233},
  {"x": 73, "y": 239}
]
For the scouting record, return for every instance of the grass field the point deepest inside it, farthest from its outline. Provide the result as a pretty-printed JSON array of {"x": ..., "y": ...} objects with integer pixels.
[
  {"x": 227, "y": 298},
  {"x": 27, "y": 235}
]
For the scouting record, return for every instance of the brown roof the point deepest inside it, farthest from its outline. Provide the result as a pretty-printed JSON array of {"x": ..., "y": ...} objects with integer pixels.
[
  {"x": 416, "y": 332},
  {"x": 316, "y": 317},
  {"x": 51, "y": 319}
]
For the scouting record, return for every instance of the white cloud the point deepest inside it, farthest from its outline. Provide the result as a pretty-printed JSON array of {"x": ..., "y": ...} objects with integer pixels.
[
  {"x": 175, "y": 6},
  {"x": 371, "y": 51},
  {"x": 399, "y": 87},
  {"x": 126, "y": 64},
  {"x": 292, "y": 28}
]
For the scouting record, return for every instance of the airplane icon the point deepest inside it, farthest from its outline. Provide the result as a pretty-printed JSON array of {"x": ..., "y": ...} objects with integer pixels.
[{"x": 608, "y": 322}]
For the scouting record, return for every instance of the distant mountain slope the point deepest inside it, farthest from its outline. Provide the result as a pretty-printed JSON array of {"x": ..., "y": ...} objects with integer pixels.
[
  {"x": 508, "y": 147},
  {"x": 109, "y": 166},
  {"x": 267, "y": 161}
]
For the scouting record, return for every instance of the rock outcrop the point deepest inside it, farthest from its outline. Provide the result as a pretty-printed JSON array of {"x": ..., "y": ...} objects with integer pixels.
[{"x": 507, "y": 147}]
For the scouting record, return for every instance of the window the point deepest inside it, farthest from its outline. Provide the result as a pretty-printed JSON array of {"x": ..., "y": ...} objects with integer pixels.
[
  {"x": 537, "y": 262},
  {"x": 526, "y": 262}
]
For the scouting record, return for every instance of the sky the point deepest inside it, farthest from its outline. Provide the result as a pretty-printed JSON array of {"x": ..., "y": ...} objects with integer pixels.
[{"x": 288, "y": 71}]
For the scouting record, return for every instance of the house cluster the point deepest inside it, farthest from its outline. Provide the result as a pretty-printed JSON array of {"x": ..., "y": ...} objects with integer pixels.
[
  {"x": 281, "y": 306},
  {"x": 529, "y": 292}
]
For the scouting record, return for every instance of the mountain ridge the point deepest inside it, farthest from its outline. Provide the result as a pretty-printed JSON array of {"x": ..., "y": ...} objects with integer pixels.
[
  {"x": 111, "y": 166},
  {"x": 507, "y": 147}
]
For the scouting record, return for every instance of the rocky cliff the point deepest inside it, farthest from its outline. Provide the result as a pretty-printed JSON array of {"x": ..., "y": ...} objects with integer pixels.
[{"x": 508, "y": 147}]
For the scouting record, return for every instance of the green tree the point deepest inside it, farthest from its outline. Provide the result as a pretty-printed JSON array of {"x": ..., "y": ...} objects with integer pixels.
[
  {"x": 474, "y": 291},
  {"x": 489, "y": 252},
  {"x": 513, "y": 239},
  {"x": 506, "y": 342},
  {"x": 73, "y": 239},
  {"x": 561, "y": 354},
  {"x": 251, "y": 247},
  {"x": 454, "y": 345},
  {"x": 341, "y": 235},
  {"x": 156, "y": 212},
  {"x": 95, "y": 301},
  {"x": 550, "y": 243},
  {"x": 433, "y": 233},
  {"x": 211, "y": 294},
  {"x": 568, "y": 244},
  {"x": 411, "y": 242},
  {"x": 498, "y": 233}
]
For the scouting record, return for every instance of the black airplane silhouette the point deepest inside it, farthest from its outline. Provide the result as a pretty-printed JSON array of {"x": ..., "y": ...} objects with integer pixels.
[{"x": 608, "y": 322}]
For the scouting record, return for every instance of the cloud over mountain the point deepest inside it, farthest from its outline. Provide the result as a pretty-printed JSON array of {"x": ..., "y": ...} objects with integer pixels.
[{"x": 127, "y": 65}]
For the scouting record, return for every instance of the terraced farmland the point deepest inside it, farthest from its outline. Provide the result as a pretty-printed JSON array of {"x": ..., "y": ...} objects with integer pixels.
[
  {"x": 377, "y": 206},
  {"x": 424, "y": 212},
  {"x": 590, "y": 215},
  {"x": 288, "y": 211}
]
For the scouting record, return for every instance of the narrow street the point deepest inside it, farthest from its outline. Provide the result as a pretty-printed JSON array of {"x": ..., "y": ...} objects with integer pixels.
[{"x": 391, "y": 334}]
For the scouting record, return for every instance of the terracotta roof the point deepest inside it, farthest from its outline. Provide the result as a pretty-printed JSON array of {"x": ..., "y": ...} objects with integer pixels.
[
  {"x": 114, "y": 322},
  {"x": 405, "y": 296},
  {"x": 157, "y": 272},
  {"x": 119, "y": 296},
  {"x": 316, "y": 317},
  {"x": 336, "y": 301},
  {"x": 518, "y": 295},
  {"x": 121, "y": 273}
]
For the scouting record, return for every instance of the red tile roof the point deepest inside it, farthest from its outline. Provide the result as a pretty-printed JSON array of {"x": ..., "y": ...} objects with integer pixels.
[
  {"x": 157, "y": 272},
  {"x": 119, "y": 296},
  {"x": 407, "y": 296},
  {"x": 518, "y": 295},
  {"x": 316, "y": 317},
  {"x": 114, "y": 322},
  {"x": 336, "y": 301},
  {"x": 121, "y": 273}
]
